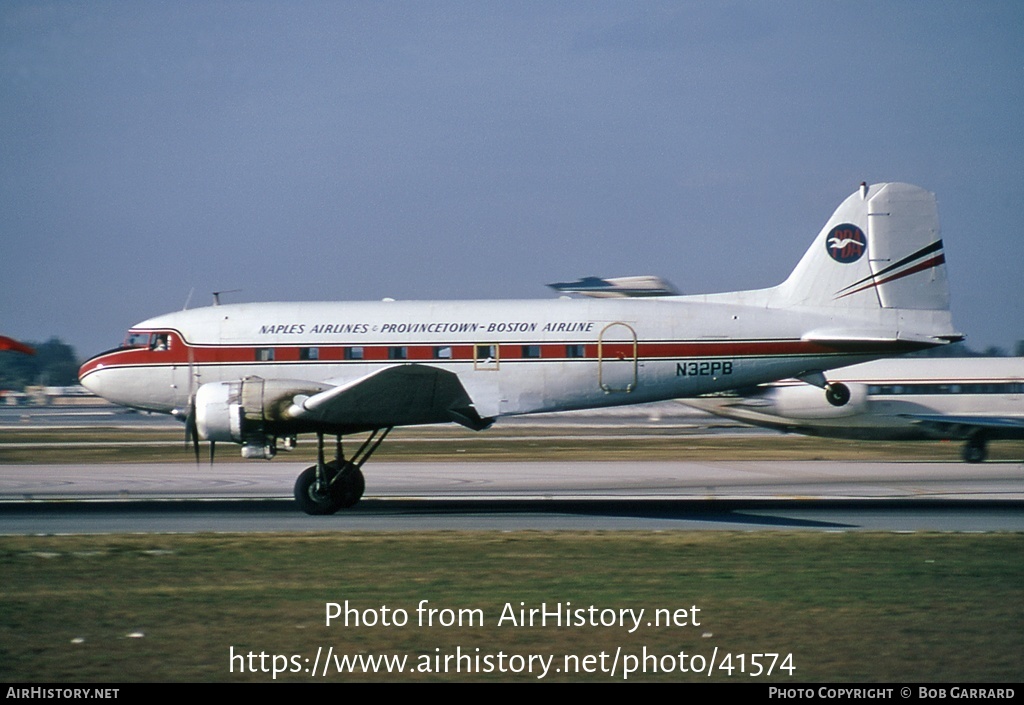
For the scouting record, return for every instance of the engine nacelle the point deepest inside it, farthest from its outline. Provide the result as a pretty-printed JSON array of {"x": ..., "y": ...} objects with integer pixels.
[
  {"x": 239, "y": 411},
  {"x": 805, "y": 401},
  {"x": 219, "y": 412}
]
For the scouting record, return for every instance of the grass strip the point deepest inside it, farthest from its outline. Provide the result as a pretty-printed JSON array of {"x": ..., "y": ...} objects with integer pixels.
[{"x": 848, "y": 606}]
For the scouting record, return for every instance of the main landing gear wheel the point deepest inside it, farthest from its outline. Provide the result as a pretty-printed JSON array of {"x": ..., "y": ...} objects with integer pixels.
[
  {"x": 341, "y": 481},
  {"x": 352, "y": 484},
  {"x": 341, "y": 489},
  {"x": 974, "y": 451}
]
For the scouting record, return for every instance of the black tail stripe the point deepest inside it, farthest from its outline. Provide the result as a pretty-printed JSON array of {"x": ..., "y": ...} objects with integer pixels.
[{"x": 924, "y": 251}]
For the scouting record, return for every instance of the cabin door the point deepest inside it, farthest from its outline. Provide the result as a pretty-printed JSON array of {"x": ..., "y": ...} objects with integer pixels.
[{"x": 616, "y": 359}]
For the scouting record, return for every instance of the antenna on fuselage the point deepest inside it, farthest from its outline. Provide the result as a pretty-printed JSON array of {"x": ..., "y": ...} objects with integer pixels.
[
  {"x": 216, "y": 295},
  {"x": 188, "y": 298}
]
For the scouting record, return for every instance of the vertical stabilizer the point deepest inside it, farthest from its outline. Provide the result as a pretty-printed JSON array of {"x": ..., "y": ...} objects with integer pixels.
[{"x": 880, "y": 249}]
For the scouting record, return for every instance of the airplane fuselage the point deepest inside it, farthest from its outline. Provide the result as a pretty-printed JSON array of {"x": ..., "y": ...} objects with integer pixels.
[{"x": 513, "y": 357}]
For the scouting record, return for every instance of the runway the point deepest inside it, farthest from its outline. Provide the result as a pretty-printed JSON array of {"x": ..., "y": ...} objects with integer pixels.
[{"x": 654, "y": 495}]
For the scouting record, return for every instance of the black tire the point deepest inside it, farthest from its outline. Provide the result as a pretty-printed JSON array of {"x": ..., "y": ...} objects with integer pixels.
[
  {"x": 974, "y": 451},
  {"x": 349, "y": 486},
  {"x": 344, "y": 490},
  {"x": 312, "y": 502},
  {"x": 837, "y": 394}
]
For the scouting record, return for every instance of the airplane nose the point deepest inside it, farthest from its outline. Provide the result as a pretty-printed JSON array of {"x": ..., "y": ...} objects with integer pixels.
[
  {"x": 89, "y": 375},
  {"x": 111, "y": 377},
  {"x": 86, "y": 382}
]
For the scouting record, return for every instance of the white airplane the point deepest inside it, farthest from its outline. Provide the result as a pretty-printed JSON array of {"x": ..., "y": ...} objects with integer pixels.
[
  {"x": 260, "y": 374},
  {"x": 974, "y": 399}
]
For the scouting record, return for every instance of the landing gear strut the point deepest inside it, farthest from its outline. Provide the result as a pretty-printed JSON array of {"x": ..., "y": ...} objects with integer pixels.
[{"x": 326, "y": 487}]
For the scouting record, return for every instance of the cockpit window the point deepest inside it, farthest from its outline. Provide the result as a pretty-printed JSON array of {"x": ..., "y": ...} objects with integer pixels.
[
  {"x": 159, "y": 342},
  {"x": 153, "y": 341},
  {"x": 136, "y": 340}
]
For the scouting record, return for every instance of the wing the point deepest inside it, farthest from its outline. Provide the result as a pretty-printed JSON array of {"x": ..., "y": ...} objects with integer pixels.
[
  {"x": 969, "y": 426},
  {"x": 980, "y": 421},
  {"x": 402, "y": 395},
  {"x": 965, "y": 425}
]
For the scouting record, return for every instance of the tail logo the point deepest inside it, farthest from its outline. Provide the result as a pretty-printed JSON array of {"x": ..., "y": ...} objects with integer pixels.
[{"x": 846, "y": 243}]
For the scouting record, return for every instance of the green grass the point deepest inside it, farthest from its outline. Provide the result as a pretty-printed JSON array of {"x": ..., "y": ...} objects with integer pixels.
[{"x": 848, "y": 606}]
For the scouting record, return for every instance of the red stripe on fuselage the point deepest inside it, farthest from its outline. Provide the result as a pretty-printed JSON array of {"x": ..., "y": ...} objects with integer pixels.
[{"x": 181, "y": 353}]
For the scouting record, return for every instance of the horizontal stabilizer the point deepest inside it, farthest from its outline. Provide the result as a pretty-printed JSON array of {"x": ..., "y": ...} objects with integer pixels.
[
  {"x": 848, "y": 335},
  {"x": 839, "y": 336}
]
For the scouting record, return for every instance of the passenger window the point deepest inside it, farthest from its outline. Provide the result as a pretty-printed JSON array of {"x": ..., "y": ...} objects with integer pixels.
[{"x": 486, "y": 357}]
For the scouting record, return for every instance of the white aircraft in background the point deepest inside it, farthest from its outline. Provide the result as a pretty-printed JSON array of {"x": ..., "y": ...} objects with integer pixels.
[
  {"x": 872, "y": 284},
  {"x": 974, "y": 399}
]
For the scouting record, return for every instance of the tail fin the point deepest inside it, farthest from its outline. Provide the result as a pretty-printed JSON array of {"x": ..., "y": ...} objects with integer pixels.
[
  {"x": 879, "y": 258},
  {"x": 881, "y": 248},
  {"x": 875, "y": 273}
]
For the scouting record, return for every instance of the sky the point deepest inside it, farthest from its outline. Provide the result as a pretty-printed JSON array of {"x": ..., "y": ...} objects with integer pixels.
[{"x": 152, "y": 153}]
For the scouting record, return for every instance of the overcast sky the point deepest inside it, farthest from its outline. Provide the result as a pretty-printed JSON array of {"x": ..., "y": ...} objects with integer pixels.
[{"x": 358, "y": 150}]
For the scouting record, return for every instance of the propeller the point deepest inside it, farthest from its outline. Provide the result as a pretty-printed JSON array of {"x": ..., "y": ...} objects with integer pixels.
[
  {"x": 192, "y": 433},
  {"x": 192, "y": 430},
  {"x": 191, "y": 426}
]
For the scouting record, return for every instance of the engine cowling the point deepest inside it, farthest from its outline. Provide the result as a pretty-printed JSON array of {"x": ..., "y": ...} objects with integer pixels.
[
  {"x": 219, "y": 411},
  {"x": 808, "y": 402},
  {"x": 239, "y": 411}
]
